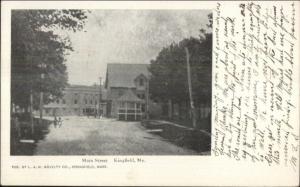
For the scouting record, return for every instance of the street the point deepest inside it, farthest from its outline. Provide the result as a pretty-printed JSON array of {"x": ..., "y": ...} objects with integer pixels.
[{"x": 90, "y": 136}]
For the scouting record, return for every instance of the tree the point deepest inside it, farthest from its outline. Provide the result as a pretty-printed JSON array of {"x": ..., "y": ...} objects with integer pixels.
[
  {"x": 168, "y": 71},
  {"x": 36, "y": 49},
  {"x": 168, "y": 80}
]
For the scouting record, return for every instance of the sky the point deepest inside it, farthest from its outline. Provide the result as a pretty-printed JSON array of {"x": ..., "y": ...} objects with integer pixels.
[{"x": 126, "y": 36}]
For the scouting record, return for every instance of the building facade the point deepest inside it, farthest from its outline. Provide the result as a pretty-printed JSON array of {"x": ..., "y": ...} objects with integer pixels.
[
  {"x": 127, "y": 91},
  {"x": 79, "y": 100},
  {"x": 125, "y": 96}
]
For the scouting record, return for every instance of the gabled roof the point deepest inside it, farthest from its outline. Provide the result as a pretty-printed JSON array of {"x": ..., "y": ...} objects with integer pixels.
[
  {"x": 139, "y": 76},
  {"x": 129, "y": 96},
  {"x": 123, "y": 75}
]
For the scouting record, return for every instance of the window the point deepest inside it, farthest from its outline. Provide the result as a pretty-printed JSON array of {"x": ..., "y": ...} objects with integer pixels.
[
  {"x": 143, "y": 107},
  {"x": 120, "y": 92},
  {"x": 141, "y": 82},
  {"x": 91, "y": 101},
  {"x": 57, "y": 101},
  {"x": 130, "y": 104},
  {"x": 85, "y": 101},
  {"x": 95, "y": 102},
  {"x": 64, "y": 101},
  {"x": 141, "y": 96},
  {"x": 75, "y": 101},
  {"x": 122, "y": 105}
]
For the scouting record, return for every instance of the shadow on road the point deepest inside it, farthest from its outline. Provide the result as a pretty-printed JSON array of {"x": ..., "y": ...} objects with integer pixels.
[{"x": 24, "y": 142}]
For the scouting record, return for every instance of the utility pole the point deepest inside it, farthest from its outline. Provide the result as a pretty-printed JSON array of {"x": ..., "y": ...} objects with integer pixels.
[
  {"x": 100, "y": 97},
  {"x": 190, "y": 87},
  {"x": 147, "y": 98}
]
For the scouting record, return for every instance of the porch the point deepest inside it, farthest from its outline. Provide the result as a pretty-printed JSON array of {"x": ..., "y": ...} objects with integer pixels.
[
  {"x": 130, "y": 107},
  {"x": 130, "y": 111}
]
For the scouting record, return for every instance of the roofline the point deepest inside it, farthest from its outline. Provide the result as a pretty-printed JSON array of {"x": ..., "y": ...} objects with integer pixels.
[
  {"x": 78, "y": 85},
  {"x": 117, "y": 63},
  {"x": 128, "y": 63},
  {"x": 123, "y": 87},
  {"x": 142, "y": 74}
]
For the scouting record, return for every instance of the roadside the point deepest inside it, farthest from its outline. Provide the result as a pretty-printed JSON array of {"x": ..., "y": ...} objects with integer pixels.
[
  {"x": 195, "y": 139},
  {"x": 24, "y": 139}
]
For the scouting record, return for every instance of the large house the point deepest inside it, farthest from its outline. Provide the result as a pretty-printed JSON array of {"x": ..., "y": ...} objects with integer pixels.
[
  {"x": 79, "y": 100},
  {"x": 127, "y": 91}
]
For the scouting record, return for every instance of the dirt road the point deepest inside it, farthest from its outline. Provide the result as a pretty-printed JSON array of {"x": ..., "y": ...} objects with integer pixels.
[{"x": 90, "y": 136}]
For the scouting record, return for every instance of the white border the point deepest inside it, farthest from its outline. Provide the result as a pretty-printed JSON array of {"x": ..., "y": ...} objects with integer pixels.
[{"x": 158, "y": 170}]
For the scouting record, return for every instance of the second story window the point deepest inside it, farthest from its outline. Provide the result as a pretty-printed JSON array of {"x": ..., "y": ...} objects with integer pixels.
[
  {"x": 141, "y": 82},
  {"x": 120, "y": 92},
  {"x": 75, "y": 101},
  {"x": 64, "y": 101},
  {"x": 141, "y": 96}
]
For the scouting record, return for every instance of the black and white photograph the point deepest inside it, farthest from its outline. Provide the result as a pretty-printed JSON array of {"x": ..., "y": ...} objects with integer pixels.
[
  {"x": 150, "y": 93},
  {"x": 111, "y": 82}
]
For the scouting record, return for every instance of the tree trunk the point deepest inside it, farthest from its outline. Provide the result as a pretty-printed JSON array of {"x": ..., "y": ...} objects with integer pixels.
[
  {"x": 41, "y": 106},
  {"x": 173, "y": 111},
  {"x": 170, "y": 112},
  {"x": 31, "y": 114}
]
